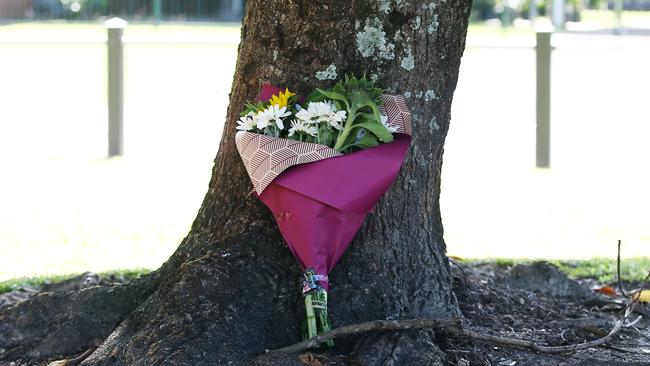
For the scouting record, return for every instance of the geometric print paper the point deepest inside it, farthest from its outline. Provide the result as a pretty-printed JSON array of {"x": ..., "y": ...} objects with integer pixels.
[
  {"x": 394, "y": 107},
  {"x": 265, "y": 157}
]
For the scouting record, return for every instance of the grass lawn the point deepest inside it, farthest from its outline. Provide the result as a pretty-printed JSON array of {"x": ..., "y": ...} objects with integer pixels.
[
  {"x": 16, "y": 283},
  {"x": 638, "y": 19},
  {"x": 601, "y": 269}
]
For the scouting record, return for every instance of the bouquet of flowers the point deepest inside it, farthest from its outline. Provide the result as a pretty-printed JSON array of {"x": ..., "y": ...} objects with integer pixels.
[{"x": 320, "y": 164}]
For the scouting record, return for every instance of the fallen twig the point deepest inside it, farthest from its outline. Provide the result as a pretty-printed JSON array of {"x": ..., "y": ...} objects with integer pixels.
[
  {"x": 454, "y": 326},
  {"x": 619, "y": 349},
  {"x": 618, "y": 270},
  {"x": 637, "y": 298},
  {"x": 641, "y": 333},
  {"x": 451, "y": 326},
  {"x": 459, "y": 267},
  {"x": 72, "y": 361},
  {"x": 543, "y": 349},
  {"x": 375, "y": 325}
]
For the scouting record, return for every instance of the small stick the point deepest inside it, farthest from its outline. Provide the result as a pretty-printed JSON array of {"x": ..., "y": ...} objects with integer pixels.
[
  {"x": 641, "y": 333},
  {"x": 447, "y": 325},
  {"x": 375, "y": 325},
  {"x": 459, "y": 267},
  {"x": 454, "y": 326},
  {"x": 72, "y": 361},
  {"x": 637, "y": 298},
  {"x": 643, "y": 286},
  {"x": 618, "y": 270}
]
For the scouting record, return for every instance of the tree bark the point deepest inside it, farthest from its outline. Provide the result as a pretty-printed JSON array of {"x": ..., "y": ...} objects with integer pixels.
[{"x": 232, "y": 289}]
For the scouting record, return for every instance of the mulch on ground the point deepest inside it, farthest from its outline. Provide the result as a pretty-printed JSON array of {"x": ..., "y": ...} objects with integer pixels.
[
  {"x": 537, "y": 302},
  {"x": 533, "y": 301}
]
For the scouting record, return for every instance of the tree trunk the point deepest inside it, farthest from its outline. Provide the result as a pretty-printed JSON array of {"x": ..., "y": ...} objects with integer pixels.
[{"x": 232, "y": 289}]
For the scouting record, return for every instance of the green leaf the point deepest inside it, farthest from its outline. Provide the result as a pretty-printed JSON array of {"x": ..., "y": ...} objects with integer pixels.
[
  {"x": 361, "y": 100},
  {"x": 315, "y": 96},
  {"x": 377, "y": 129},
  {"x": 250, "y": 107},
  {"x": 334, "y": 96},
  {"x": 368, "y": 140}
]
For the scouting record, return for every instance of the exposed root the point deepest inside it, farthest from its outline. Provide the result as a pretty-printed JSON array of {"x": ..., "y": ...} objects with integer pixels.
[
  {"x": 64, "y": 323},
  {"x": 454, "y": 326}
]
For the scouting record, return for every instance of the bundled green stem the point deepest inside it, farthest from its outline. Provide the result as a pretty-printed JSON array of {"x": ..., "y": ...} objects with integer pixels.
[{"x": 317, "y": 321}]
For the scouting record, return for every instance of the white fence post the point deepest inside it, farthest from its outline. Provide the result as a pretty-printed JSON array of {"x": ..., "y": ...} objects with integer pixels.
[
  {"x": 157, "y": 11},
  {"x": 558, "y": 13},
  {"x": 115, "y": 86},
  {"x": 543, "y": 100},
  {"x": 618, "y": 10}
]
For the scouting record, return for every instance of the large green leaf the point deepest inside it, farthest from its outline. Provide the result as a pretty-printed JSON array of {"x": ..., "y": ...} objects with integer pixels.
[
  {"x": 377, "y": 129},
  {"x": 335, "y": 96},
  {"x": 368, "y": 140},
  {"x": 362, "y": 101}
]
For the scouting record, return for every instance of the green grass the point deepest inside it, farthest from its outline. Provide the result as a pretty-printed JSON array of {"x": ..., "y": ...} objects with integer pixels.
[
  {"x": 485, "y": 28},
  {"x": 604, "y": 270},
  {"x": 522, "y": 30},
  {"x": 609, "y": 17},
  {"x": 123, "y": 275},
  {"x": 601, "y": 269}
]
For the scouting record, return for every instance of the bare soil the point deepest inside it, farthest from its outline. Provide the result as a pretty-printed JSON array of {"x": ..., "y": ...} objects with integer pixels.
[
  {"x": 528, "y": 301},
  {"x": 538, "y": 302}
]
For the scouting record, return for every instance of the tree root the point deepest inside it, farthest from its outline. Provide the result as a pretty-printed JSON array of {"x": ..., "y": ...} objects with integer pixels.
[
  {"x": 454, "y": 326},
  {"x": 64, "y": 323},
  {"x": 451, "y": 326}
]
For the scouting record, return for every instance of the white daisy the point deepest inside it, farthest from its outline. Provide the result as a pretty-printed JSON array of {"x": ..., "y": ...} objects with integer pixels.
[
  {"x": 262, "y": 119},
  {"x": 301, "y": 126},
  {"x": 337, "y": 119},
  {"x": 305, "y": 115},
  {"x": 247, "y": 122},
  {"x": 322, "y": 112},
  {"x": 272, "y": 114}
]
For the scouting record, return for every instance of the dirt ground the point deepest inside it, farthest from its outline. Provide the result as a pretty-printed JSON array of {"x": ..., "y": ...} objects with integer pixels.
[
  {"x": 533, "y": 302},
  {"x": 539, "y": 303}
]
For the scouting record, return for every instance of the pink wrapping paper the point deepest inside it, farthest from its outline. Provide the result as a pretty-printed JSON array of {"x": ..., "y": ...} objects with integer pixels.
[
  {"x": 266, "y": 157},
  {"x": 320, "y": 198}
]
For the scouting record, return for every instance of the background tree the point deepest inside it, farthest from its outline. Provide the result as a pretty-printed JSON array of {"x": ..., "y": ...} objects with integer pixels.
[{"x": 232, "y": 288}]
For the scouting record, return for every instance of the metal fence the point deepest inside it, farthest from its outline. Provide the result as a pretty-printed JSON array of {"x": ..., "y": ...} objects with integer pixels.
[
  {"x": 187, "y": 71},
  {"x": 145, "y": 10}
]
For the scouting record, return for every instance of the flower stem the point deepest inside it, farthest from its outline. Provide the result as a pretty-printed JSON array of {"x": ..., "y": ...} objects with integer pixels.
[
  {"x": 343, "y": 136},
  {"x": 312, "y": 329}
]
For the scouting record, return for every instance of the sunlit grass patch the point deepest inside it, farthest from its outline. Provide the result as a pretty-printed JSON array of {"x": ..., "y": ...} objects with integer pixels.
[
  {"x": 36, "y": 282},
  {"x": 600, "y": 269}
]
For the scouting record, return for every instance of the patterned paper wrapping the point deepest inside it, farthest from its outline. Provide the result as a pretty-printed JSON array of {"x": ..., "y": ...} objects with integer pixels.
[
  {"x": 266, "y": 157},
  {"x": 394, "y": 107}
]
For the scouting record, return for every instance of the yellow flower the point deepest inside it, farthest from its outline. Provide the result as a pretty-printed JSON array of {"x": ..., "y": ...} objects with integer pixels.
[{"x": 282, "y": 99}]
